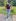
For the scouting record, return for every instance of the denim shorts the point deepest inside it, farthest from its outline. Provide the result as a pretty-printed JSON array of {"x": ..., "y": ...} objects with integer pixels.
[{"x": 8, "y": 12}]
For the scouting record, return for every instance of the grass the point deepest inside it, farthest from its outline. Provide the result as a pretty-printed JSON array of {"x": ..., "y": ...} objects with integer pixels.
[
  {"x": 14, "y": 9},
  {"x": 2, "y": 10}
]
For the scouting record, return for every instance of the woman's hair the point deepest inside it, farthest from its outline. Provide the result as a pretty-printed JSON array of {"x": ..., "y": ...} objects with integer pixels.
[{"x": 8, "y": 5}]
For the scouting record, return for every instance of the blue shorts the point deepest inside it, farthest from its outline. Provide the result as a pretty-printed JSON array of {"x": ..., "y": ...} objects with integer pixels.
[{"x": 8, "y": 12}]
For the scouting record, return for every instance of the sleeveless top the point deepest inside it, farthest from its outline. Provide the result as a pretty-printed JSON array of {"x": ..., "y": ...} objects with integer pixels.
[{"x": 8, "y": 7}]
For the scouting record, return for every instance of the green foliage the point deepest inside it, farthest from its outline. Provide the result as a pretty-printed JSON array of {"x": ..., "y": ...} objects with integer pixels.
[
  {"x": 13, "y": 3},
  {"x": 11, "y": 10},
  {"x": 5, "y": 2},
  {"x": 1, "y": 3}
]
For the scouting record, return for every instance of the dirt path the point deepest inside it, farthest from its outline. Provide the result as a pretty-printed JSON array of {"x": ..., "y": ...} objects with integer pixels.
[
  {"x": 2, "y": 18},
  {"x": 14, "y": 17}
]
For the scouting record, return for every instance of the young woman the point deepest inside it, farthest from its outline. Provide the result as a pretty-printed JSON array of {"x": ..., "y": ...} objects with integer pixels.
[
  {"x": 8, "y": 9},
  {"x": 8, "y": 6}
]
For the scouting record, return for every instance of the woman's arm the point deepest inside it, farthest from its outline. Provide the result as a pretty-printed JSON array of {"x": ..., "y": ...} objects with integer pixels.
[{"x": 10, "y": 7}]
